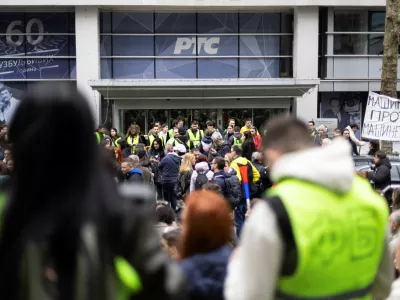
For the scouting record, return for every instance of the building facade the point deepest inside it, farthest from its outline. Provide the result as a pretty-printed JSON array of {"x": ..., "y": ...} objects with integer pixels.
[{"x": 141, "y": 61}]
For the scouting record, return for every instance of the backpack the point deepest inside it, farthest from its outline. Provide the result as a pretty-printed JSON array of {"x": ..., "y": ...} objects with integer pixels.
[
  {"x": 233, "y": 190},
  {"x": 201, "y": 180}
]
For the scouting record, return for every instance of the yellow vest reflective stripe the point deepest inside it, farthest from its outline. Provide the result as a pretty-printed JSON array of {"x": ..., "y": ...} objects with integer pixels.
[
  {"x": 339, "y": 239},
  {"x": 99, "y": 136},
  {"x": 237, "y": 142},
  {"x": 196, "y": 139},
  {"x": 133, "y": 141},
  {"x": 114, "y": 143},
  {"x": 151, "y": 139},
  {"x": 163, "y": 141},
  {"x": 313, "y": 133},
  {"x": 129, "y": 279}
]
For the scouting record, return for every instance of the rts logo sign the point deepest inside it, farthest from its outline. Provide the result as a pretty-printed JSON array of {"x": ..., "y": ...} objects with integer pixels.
[{"x": 186, "y": 43}]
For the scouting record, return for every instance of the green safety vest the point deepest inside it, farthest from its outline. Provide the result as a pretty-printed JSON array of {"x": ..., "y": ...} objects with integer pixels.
[
  {"x": 196, "y": 139},
  {"x": 129, "y": 280},
  {"x": 339, "y": 239},
  {"x": 99, "y": 136},
  {"x": 160, "y": 135},
  {"x": 114, "y": 143},
  {"x": 133, "y": 141},
  {"x": 151, "y": 139},
  {"x": 313, "y": 133},
  {"x": 237, "y": 142}
]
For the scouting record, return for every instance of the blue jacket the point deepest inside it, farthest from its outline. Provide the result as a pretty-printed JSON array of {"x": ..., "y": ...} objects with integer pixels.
[
  {"x": 169, "y": 167},
  {"x": 205, "y": 274}
]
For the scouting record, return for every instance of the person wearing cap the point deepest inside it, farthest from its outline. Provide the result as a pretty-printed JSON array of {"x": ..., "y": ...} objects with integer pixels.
[{"x": 169, "y": 166}]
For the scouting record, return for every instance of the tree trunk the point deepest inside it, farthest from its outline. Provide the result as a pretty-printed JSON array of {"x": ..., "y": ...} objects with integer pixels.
[{"x": 390, "y": 56}]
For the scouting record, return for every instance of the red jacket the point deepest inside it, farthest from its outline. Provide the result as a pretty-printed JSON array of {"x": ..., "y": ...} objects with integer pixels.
[{"x": 257, "y": 142}]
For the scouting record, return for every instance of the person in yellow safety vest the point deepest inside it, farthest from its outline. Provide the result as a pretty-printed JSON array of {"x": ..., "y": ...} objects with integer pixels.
[
  {"x": 172, "y": 141},
  {"x": 100, "y": 133},
  {"x": 311, "y": 128},
  {"x": 194, "y": 134},
  {"x": 164, "y": 134},
  {"x": 236, "y": 138},
  {"x": 247, "y": 126},
  {"x": 154, "y": 135},
  {"x": 115, "y": 137},
  {"x": 322, "y": 231},
  {"x": 134, "y": 138},
  {"x": 184, "y": 140},
  {"x": 177, "y": 123}
]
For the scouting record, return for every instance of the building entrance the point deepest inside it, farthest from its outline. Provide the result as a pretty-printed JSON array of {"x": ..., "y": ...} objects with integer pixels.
[{"x": 145, "y": 117}]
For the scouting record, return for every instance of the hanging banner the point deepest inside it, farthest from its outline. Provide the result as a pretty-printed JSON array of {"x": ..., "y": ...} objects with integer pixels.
[{"x": 382, "y": 118}]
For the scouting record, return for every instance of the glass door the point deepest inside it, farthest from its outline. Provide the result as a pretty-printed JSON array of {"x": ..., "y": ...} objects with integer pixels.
[{"x": 135, "y": 117}]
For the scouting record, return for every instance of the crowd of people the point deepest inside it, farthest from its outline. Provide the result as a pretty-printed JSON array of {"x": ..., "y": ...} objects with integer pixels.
[{"x": 187, "y": 213}]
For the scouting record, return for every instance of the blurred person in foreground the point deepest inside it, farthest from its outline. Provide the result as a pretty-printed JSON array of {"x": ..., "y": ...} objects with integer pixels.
[
  {"x": 75, "y": 225},
  {"x": 395, "y": 293},
  {"x": 204, "y": 247},
  {"x": 320, "y": 234}
]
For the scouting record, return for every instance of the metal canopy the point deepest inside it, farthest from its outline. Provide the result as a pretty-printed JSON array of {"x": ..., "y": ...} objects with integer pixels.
[{"x": 202, "y": 88}]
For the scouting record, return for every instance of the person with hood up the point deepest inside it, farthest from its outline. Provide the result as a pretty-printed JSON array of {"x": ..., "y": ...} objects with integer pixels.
[
  {"x": 200, "y": 167},
  {"x": 236, "y": 138},
  {"x": 220, "y": 147},
  {"x": 381, "y": 176},
  {"x": 169, "y": 166},
  {"x": 308, "y": 238},
  {"x": 206, "y": 142}
]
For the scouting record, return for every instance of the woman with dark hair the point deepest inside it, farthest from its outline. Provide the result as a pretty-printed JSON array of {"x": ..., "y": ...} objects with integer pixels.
[
  {"x": 69, "y": 221},
  {"x": 248, "y": 145},
  {"x": 115, "y": 138},
  {"x": 373, "y": 147},
  {"x": 157, "y": 149},
  {"x": 204, "y": 249}
]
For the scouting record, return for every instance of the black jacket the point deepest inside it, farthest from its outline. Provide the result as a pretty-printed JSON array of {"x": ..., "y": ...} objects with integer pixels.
[
  {"x": 169, "y": 167},
  {"x": 381, "y": 176},
  {"x": 221, "y": 151}
]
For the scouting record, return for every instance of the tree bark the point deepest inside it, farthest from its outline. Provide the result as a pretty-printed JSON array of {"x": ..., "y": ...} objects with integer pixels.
[{"x": 390, "y": 56}]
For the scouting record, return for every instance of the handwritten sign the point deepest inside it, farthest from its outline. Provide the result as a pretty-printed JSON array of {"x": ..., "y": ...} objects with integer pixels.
[{"x": 382, "y": 118}]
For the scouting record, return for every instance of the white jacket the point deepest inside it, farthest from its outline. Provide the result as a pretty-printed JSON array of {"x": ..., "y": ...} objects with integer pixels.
[
  {"x": 254, "y": 269},
  {"x": 354, "y": 138}
]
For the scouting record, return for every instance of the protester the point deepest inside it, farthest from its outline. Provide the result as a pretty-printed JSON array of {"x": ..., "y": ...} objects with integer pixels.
[
  {"x": 185, "y": 174},
  {"x": 381, "y": 176},
  {"x": 129, "y": 168},
  {"x": 115, "y": 137},
  {"x": 206, "y": 143},
  {"x": 346, "y": 135},
  {"x": 220, "y": 147},
  {"x": 100, "y": 133},
  {"x": 205, "y": 250},
  {"x": 170, "y": 241},
  {"x": 301, "y": 235},
  {"x": 248, "y": 146},
  {"x": 51, "y": 221},
  {"x": 203, "y": 169},
  {"x": 394, "y": 221},
  {"x": 165, "y": 219},
  {"x": 256, "y": 138},
  {"x": 395, "y": 205},
  {"x": 373, "y": 147},
  {"x": 352, "y": 128},
  {"x": 237, "y": 138}
]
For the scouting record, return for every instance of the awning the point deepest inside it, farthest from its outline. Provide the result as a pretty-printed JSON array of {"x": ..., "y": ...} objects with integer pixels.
[{"x": 202, "y": 88}]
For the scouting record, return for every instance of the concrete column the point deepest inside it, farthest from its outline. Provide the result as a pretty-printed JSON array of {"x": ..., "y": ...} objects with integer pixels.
[
  {"x": 305, "y": 58},
  {"x": 88, "y": 54}
]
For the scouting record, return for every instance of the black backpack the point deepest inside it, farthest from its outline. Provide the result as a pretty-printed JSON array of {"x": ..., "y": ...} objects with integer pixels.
[
  {"x": 201, "y": 180},
  {"x": 233, "y": 190}
]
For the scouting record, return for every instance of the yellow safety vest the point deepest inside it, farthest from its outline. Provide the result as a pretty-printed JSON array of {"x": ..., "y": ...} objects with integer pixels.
[
  {"x": 196, "y": 139},
  {"x": 339, "y": 240},
  {"x": 151, "y": 139},
  {"x": 99, "y": 137},
  {"x": 163, "y": 141},
  {"x": 133, "y": 141},
  {"x": 114, "y": 143},
  {"x": 129, "y": 280},
  {"x": 237, "y": 142}
]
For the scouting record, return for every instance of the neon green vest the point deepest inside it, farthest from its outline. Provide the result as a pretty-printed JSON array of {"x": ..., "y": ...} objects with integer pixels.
[
  {"x": 114, "y": 143},
  {"x": 99, "y": 136},
  {"x": 339, "y": 240},
  {"x": 133, "y": 141},
  {"x": 151, "y": 139},
  {"x": 237, "y": 142},
  {"x": 196, "y": 139},
  {"x": 129, "y": 280}
]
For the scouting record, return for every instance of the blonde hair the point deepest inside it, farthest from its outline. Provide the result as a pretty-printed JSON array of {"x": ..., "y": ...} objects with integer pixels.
[{"x": 186, "y": 164}]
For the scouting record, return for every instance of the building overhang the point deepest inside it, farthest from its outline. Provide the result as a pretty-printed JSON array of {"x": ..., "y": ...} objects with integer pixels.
[{"x": 202, "y": 88}]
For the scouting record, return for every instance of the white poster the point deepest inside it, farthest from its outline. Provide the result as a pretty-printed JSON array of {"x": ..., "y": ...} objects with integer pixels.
[{"x": 382, "y": 118}]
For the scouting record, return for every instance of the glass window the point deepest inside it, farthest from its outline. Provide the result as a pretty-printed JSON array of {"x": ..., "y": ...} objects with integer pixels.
[
  {"x": 350, "y": 44},
  {"x": 133, "y": 45},
  {"x": 154, "y": 115},
  {"x": 127, "y": 22},
  {"x": 135, "y": 117},
  {"x": 259, "y": 22},
  {"x": 224, "y": 45},
  {"x": 105, "y": 22},
  {"x": 176, "y": 45},
  {"x": 259, "y": 67},
  {"x": 286, "y": 23},
  {"x": 375, "y": 44},
  {"x": 175, "y": 68},
  {"x": 218, "y": 68},
  {"x": 350, "y": 21},
  {"x": 377, "y": 21},
  {"x": 256, "y": 45},
  {"x": 217, "y": 23},
  {"x": 175, "y": 23},
  {"x": 133, "y": 68}
]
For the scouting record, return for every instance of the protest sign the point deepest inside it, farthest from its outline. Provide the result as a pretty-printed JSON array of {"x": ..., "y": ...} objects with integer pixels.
[{"x": 382, "y": 118}]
